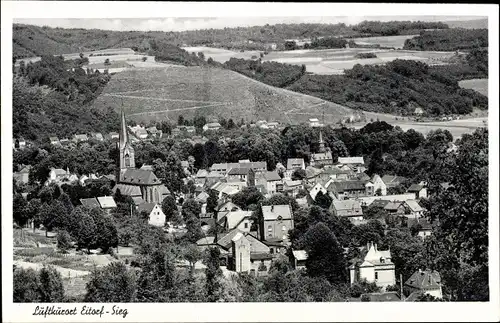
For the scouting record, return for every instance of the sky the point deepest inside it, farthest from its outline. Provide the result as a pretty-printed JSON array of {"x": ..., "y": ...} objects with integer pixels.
[{"x": 182, "y": 24}]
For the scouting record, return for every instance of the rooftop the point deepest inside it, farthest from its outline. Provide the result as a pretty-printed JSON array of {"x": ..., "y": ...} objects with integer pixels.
[{"x": 274, "y": 212}]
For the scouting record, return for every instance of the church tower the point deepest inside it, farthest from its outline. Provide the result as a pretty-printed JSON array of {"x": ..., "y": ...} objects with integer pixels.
[
  {"x": 127, "y": 154},
  {"x": 321, "y": 143}
]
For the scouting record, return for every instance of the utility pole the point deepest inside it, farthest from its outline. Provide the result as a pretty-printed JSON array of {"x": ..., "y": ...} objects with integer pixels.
[{"x": 401, "y": 284}]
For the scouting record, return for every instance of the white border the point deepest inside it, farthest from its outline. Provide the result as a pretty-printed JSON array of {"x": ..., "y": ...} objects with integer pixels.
[{"x": 247, "y": 312}]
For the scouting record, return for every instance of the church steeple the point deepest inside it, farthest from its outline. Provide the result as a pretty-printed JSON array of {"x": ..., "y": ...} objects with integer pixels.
[
  {"x": 123, "y": 130},
  {"x": 127, "y": 153},
  {"x": 321, "y": 143}
]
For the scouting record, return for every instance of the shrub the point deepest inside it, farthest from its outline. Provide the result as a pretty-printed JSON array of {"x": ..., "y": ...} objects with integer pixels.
[{"x": 64, "y": 241}]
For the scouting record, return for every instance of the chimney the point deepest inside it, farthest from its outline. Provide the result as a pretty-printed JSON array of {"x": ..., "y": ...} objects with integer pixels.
[
  {"x": 375, "y": 247},
  {"x": 368, "y": 246},
  {"x": 272, "y": 208}
]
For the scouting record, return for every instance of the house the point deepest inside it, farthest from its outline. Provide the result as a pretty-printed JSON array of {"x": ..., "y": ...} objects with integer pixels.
[
  {"x": 238, "y": 219},
  {"x": 256, "y": 166},
  {"x": 351, "y": 189},
  {"x": 242, "y": 174},
  {"x": 315, "y": 190},
  {"x": 382, "y": 297},
  {"x": 423, "y": 225},
  {"x": 293, "y": 164},
  {"x": 292, "y": 187},
  {"x": 395, "y": 208},
  {"x": 416, "y": 211},
  {"x": 425, "y": 281},
  {"x": 273, "y": 125},
  {"x": 278, "y": 221},
  {"x": 213, "y": 177},
  {"x": 375, "y": 266},
  {"x": 321, "y": 159},
  {"x": 80, "y": 138},
  {"x": 420, "y": 190},
  {"x": 418, "y": 111},
  {"x": 64, "y": 141},
  {"x": 97, "y": 136},
  {"x": 314, "y": 122},
  {"x": 154, "y": 213},
  {"x": 348, "y": 209},
  {"x": 392, "y": 181},
  {"x": 299, "y": 259},
  {"x": 114, "y": 136},
  {"x": 271, "y": 181},
  {"x": 379, "y": 186},
  {"x": 154, "y": 132},
  {"x": 336, "y": 174},
  {"x": 54, "y": 141},
  {"x": 368, "y": 200},
  {"x": 245, "y": 253},
  {"x": 21, "y": 143},
  {"x": 106, "y": 203},
  {"x": 214, "y": 126},
  {"x": 140, "y": 132},
  {"x": 312, "y": 174},
  {"x": 357, "y": 164},
  {"x": 228, "y": 206},
  {"x": 23, "y": 175},
  {"x": 57, "y": 175}
]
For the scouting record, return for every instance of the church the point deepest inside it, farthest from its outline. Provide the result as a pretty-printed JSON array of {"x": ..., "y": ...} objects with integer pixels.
[{"x": 141, "y": 184}]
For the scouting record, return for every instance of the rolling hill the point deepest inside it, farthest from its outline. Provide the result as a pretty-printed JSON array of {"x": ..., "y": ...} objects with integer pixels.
[
  {"x": 165, "y": 93},
  {"x": 469, "y": 24}
]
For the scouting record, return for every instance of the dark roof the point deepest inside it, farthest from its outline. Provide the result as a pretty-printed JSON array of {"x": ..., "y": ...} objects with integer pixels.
[
  {"x": 415, "y": 188},
  {"x": 140, "y": 177},
  {"x": 240, "y": 171},
  {"x": 272, "y": 176},
  {"x": 349, "y": 185},
  {"x": 148, "y": 207},
  {"x": 424, "y": 280},
  {"x": 260, "y": 256},
  {"x": 379, "y": 203},
  {"x": 384, "y": 297}
]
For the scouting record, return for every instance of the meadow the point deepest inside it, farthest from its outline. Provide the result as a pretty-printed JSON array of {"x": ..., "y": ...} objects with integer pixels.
[
  {"x": 479, "y": 85},
  {"x": 165, "y": 93}
]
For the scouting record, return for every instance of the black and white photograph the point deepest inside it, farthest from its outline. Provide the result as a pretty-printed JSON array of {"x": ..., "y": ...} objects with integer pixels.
[{"x": 250, "y": 159}]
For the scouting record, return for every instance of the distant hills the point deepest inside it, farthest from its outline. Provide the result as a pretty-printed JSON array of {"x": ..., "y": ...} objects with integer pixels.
[{"x": 469, "y": 24}]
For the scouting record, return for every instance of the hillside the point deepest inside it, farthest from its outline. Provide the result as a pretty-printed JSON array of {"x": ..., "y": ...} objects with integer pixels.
[
  {"x": 469, "y": 24},
  {"x": 166, "y": 93},
  {"x": 29, "y": 41}
]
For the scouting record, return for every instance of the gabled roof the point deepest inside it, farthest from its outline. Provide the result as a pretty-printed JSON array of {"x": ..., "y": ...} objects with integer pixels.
[
  {"x": 379, "y": 203},
  {"x": 349, "y": 185},
  {"x": 272, "y": 212},
  {"x": 148, "y": 207},
  {"x": 322, "y": 156},
  {"x": 312, "y": 172},
  {"x": 346, "y": 205},
  {"x": 424, "y": 280},
  {"x": 81, "y": 137},
  {"x": 225, "y": 241},
  {"x": 240, "y": 171},
  {"x": 351, "y": 160},
  {"x": 214, "y": 174},
  {"x": 127, "y": 189},
  {"x": 202, "y": 197},
  {"x": 90, "y": 202},
  {"x": 392, "y": 179},
  {"x": 234, "y": 218},
  {"x": 272, "y": 176},
  {"x": 414, "y": 206},
  {"x": 139, "y": 177},
  {"x": 106, "y": 202},
  {"x": 393, "y": 206},
  {"x": 229, "y": 206},
  {"x": 201, "y": 173},
  {"x": 415, "y": 188},
  {"x": 384, "y": 297},
  {"x": 290, "y": 183},
  {"x": 294, "y": 161},
  {"x": 300, "y": 254}
]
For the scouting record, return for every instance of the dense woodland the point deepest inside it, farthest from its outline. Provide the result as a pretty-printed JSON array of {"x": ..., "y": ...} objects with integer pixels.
[
  {"x": 394, "y": 28},
  {"x": 53, "y": 96},
  {"x": 449, "y": 40},
  {"x": 153, "y": 276}
]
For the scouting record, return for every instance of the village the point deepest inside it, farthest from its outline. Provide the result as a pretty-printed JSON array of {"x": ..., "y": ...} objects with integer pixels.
[{"x": 250, "y": 245}]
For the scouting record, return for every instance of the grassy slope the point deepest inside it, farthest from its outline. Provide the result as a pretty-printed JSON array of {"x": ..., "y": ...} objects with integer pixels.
[{"x": 220, "y": 93}]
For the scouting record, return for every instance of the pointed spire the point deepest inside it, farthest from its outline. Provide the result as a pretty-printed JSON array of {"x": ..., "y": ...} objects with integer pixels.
[
  {"x": 321, "y": 143},
  {"x": 123, "y": 129}
]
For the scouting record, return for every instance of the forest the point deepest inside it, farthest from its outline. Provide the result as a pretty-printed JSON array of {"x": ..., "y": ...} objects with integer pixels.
[
  {"x": 394, "y": 28},
  {"x": 448, "y": 40},
  {"x": 52, "y": 98}
]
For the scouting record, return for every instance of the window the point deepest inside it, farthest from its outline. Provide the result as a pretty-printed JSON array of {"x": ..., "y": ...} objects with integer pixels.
[
  {"x": 376, "y": 275},
  {"x": 246, "y": 225},
  {"x": 283, "y": 228}
]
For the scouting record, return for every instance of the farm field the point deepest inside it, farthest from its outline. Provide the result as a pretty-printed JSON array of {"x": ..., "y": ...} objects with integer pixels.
[
  {"x": 385, "y": 41},
  {"x": 335, "y": 61},
  {"x": 165, "y": 93},
  {"x": 221, "y": 55},
  {"x": 479, "y": 85}
]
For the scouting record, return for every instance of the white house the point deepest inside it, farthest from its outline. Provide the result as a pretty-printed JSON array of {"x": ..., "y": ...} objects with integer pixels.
[
  {"x": 314, "y": 122},
  {"x": 427, "y": 282},
  {"x": 316, "y": 189},
  {"x": 376, "y": 266},
  {"x": 357, "y": 164},
  {"x": 419, "y": 189},
  {"x": 378, "y": 184},
  {"x": 155, "y": 214},
  {"x": 214, "y": 126}
]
